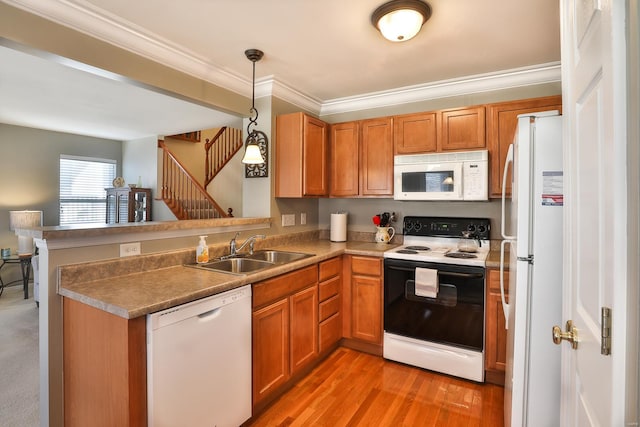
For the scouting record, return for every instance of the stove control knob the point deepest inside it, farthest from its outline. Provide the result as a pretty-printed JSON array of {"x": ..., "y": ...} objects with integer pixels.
[
  {"x": 481, "y": 229},
  {"x": 471, "y": 227},
  {"x": 418, "y": 226}
]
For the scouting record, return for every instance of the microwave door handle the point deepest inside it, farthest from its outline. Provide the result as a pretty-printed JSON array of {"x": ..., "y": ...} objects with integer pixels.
[{"x": 508, "y": 161}]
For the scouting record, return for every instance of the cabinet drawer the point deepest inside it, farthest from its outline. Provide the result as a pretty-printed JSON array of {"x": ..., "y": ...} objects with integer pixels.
[
  {"x": 367, "y": 266},
  {"x": 329, "y": 288},
  {"x": 329, "y": 307},
  {"x": 330, "y": 268},
  {"x": 330, "y": 332},
  {"x": 279, "y": 287}
]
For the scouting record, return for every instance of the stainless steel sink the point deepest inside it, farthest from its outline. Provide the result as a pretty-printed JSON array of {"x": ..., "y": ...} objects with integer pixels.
[
  {"x": 277, "y": 257},
  {"x": 237, "y": 265},
  {"x": 250, "y": 263}
]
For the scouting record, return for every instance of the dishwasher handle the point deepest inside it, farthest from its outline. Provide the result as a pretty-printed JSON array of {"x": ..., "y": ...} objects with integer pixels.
[{"x": 202, "y": 307}]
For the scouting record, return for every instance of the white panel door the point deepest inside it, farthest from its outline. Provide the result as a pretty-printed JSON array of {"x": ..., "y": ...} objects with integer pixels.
[{"x": 595, "y": 241}]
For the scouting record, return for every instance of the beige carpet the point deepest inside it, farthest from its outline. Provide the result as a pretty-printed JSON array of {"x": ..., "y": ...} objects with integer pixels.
[{"x": 19, "y": 369}]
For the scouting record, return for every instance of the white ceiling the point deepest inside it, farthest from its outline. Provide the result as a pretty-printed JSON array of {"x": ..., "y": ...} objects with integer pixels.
[{"x": 320, "y": 53}]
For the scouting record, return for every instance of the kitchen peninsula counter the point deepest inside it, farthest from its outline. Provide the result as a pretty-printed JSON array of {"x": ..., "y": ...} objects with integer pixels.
[{"x": 112, "y": 286}]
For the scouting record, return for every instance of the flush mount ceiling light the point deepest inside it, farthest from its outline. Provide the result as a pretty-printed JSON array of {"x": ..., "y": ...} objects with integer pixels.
[
  {"x": 255, "y": 138},
  {"x": 400, "y": 20}
]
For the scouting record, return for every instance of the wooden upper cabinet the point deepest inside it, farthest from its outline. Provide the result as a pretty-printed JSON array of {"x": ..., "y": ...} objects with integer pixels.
[
  {"x": 376, "y": 157},
  {"x": 362, "y": 158},
  {"x": 345, "y": 159},
  {"x": 415, "y": 133},
  {"x": 502, "y": 120},
  {"x": 462, "y": 129},
  {"x": 302, "y": 157}
]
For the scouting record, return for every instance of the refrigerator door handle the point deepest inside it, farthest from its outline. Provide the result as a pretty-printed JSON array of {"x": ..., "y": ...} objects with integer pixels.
[
  {"x": 505, "y": 306},
  {"x": 507, "y": 162}
]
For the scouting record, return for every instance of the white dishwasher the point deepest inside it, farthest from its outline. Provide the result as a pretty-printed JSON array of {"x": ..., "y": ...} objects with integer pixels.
[{"x": 199, "y": 362}]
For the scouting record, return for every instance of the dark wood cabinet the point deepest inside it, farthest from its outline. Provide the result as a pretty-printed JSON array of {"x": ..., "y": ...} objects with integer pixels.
[{"x": 127, "y": 204}]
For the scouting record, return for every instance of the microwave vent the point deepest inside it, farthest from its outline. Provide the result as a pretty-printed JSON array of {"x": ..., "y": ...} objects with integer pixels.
[{"x": 457, "y": 156}]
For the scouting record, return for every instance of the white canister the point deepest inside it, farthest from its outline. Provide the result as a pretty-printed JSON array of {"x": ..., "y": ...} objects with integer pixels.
[{"x": 339, "y": 227}]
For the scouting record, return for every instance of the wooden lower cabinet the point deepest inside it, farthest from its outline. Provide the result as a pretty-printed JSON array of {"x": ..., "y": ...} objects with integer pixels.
[
  {"x": 285, "y": 331},
  {"x": 363, "y": 302},
  {"x": 496, "y": 334},
  {"x": 105, "y": 367},
  {"x": 330, "y": 315}
]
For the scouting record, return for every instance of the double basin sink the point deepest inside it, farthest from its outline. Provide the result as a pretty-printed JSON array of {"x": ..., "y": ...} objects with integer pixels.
[{"x": 251, "y": 263}]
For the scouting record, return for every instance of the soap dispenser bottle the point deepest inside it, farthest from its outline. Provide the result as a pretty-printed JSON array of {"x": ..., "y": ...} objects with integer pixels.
[{"x": 202, "y": 251}]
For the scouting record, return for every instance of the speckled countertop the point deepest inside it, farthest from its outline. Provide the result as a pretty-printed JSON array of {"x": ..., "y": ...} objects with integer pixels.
[{"x": 156, "y": 287}]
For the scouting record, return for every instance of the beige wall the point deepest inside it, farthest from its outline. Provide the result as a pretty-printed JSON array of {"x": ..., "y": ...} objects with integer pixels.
[{"x": 29, "y": 172}]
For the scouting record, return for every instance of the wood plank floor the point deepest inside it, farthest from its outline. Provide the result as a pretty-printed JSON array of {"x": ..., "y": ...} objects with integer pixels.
[{"x": 356, "y": 389}]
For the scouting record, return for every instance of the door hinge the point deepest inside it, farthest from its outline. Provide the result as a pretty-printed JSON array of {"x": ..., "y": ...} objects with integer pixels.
[{"x": 605, "y": 322}]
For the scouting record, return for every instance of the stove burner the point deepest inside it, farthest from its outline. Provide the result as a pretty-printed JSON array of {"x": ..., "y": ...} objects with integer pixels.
[
  {"x": 460, "y": 255},
  {"x": 406, "y": 251},
  {"x": 418, "y": 248}
]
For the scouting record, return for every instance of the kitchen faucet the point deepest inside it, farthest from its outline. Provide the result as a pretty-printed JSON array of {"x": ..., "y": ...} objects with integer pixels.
[{"x": 250, "y": 241}]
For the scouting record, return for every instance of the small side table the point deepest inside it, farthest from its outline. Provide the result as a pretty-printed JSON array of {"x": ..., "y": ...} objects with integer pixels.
[{"x": 25, "y": 267}]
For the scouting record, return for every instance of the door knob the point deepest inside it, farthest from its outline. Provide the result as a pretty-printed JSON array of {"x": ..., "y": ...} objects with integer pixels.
[{"x": 570, "y": 335}]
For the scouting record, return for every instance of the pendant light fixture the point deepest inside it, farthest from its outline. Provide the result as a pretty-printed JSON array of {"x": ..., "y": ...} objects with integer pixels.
[
  {"x": 255, "y": 138},
  {"x": 400, "y": 20}
]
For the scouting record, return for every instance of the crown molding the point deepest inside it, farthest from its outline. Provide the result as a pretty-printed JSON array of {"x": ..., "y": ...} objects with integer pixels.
[
  {"x": 528, "y": 76},
  {"x": 82, "y": 16}
]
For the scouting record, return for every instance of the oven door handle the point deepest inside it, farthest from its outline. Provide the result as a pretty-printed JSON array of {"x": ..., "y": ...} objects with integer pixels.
[
  {"x": 465, "y": 275},
  {"x": 440, "y": 272}
]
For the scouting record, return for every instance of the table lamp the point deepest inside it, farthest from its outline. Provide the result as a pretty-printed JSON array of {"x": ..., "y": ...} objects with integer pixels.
[{"x": 21, "y": 220}]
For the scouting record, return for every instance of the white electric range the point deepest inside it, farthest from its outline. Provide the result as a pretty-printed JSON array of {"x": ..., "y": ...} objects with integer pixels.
[{"x": 442, "y": 330}]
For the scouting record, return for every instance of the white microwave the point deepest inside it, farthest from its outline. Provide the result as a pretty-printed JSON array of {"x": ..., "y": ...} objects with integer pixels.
[{"x": 462, "y": 175}]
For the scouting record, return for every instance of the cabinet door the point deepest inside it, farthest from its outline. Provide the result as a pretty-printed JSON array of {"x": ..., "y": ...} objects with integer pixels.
[
  {"x": 462, "y": 129},
  {"x": 304, "y": 327},
  {"x": 301, "y": 157},
  {"x": 502, "y": 119},
  {"x": 496, "y": 334},
  {"x": 315, "y": 157},
  {"x": 270, "y": 348},
  {"x": 376, "y": 157},
  {"x": 366, "y": 308},
  {"x": 415, "y": 133},
  {"x": 344, "y": 159}
]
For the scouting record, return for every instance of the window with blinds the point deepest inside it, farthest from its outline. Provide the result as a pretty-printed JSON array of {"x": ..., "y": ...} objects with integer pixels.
[{"x": 83, "y": 180}]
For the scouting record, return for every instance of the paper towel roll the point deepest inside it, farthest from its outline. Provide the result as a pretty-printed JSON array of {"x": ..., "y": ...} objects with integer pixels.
[{"x": 339, "y": 227}]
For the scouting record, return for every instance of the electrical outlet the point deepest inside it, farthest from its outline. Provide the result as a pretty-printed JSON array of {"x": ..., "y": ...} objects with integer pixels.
[
  {"x": 303, "y": 218},
  {"x": 130, "y": 249},
  {"x": 288, "y": 220}
]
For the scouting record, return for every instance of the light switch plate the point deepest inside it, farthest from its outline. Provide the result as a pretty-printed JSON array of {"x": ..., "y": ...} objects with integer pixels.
[
  {"x": 303, "y": 218},
  {"x": 130, "y": 249},
  {"x": 288, "y": 220}
]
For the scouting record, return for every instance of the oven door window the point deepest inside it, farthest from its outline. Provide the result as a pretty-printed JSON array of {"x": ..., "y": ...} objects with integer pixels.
[{"x": 454, "y": 317}]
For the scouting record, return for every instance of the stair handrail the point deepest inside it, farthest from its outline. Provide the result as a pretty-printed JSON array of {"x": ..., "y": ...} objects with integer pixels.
[
  {"x": 219, "y": 150},
  {"x": 186, "y": 189}
]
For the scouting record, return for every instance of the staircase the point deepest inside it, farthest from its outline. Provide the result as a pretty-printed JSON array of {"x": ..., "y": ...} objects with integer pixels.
[{"x": 182, "y": 193}]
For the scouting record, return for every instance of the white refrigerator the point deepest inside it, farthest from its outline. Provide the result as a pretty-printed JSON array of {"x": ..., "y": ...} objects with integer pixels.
[{"x": 534, "y": 236}]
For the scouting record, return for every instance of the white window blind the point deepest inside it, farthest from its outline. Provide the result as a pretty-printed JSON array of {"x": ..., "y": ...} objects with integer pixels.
[{"x": 83, "y": 180}]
